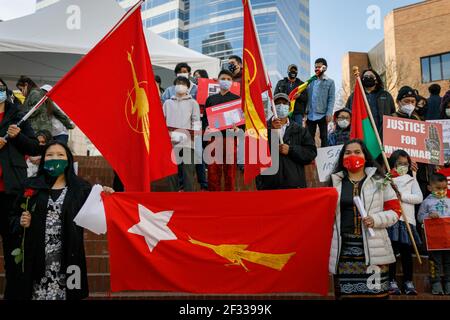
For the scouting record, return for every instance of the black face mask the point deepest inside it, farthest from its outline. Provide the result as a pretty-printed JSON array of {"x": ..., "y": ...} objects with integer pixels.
[
  {"x": 232, "y": 68},
  {"x": 368, "y": 82},
  {"x": 420, "y": 111},
  {"x": 292, "y": 75}
]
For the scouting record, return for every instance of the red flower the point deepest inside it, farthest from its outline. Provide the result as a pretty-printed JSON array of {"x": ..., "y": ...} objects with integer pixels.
[{"x": 29, "y": 193}]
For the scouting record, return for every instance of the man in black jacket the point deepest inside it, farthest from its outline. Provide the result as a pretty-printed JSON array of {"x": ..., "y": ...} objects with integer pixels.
[
  {"x": 13, "y": 168},
  {"x": 288, "y": 84},
  {"x": 296, "y": 150}
]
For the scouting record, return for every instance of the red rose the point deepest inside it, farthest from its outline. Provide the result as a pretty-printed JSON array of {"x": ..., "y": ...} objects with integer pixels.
[{"x": 29, "y": 193}]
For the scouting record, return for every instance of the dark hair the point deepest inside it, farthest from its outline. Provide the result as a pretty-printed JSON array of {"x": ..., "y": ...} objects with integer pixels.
[
  {"x": 434, "y": 89},
  {"x": 158, "y": 79},
  {"x": 182, "y": 80},
  {"x": 444, "y": 104},
  {"x": 370, "y": 162},
  {"x": 202, "y": 72},
  {"x": 437, "y": 177},
  {"x": 397, "y": 154},
  {"x": 420, "y": 98},
  {"x": 23, "y": 80},
  {"x": 227, "y": 72},
  {"x": 46, "y": 134},
  {"x": 71, "y": 177},
  {"x": 237, "y": 58},
  {"x": 380, "y": 84},
  {"x": 180, "y": 66},
  {"x": 322, "y": 61}
]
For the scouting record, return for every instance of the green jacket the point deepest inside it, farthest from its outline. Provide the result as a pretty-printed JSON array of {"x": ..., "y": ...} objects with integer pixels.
[{"x": 41, "y": 119}]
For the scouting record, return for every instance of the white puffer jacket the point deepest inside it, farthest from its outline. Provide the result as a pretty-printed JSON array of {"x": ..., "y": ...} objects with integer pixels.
[
  {"x": 377, "y": 249},
  {"x": 411, "y": 194}
]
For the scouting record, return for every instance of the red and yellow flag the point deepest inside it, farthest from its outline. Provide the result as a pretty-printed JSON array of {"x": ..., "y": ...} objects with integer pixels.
[
  {"x": 257, "y": 154},
  {"x": 126, "y": 124}
]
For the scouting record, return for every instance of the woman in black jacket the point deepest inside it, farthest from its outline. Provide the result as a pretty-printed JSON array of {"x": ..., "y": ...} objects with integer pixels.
[
  {"x": 13, "y": 169},
  {"x": 54, "y": 259}
]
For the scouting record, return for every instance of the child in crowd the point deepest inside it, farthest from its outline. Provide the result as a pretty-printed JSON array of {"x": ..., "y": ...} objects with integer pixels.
[
  {"x": 411, "y": 195},
  {"x": 437, "y": 206}
]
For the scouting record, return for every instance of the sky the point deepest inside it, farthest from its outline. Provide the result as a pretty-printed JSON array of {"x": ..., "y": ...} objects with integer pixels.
[{"x": 339, "y": 26}]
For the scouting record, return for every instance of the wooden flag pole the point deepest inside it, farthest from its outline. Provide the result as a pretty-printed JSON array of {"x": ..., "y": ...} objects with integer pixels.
[{"x": 386, "y": 162}]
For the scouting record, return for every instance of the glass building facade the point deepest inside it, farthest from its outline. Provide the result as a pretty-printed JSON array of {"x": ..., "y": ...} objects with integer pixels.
[{"x": 215, "y": 28}]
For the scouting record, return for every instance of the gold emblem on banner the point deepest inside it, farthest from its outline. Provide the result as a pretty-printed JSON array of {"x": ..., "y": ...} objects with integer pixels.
[{"x": 137, "y": 110}]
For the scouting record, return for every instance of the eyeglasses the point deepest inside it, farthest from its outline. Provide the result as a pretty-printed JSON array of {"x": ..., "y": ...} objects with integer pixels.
[{"x": 343, "y": 118}]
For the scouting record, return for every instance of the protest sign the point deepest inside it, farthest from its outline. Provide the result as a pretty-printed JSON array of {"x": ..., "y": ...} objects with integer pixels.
[{"x": 326, "y": 161}]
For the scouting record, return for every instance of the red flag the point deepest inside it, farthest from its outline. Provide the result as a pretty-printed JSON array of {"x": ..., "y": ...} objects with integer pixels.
[
  {"x": 234, "y": 242},
  {"x": 125, "y": 121},
  {"x": 257, "y": 155}
]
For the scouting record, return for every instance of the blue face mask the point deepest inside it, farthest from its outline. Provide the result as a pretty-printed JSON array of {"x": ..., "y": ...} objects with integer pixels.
[
  {"x": 225, "y": 84},
  {"x": 282, "y": 110},
  {"x": 3, "y": 96}
]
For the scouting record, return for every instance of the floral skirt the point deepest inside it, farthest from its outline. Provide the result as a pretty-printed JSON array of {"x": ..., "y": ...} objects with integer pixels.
[{"x": 354, "y": 278}]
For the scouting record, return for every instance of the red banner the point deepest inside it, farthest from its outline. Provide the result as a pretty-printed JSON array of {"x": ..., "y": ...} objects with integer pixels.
[
  {"x": 437, "y": 232},
  {"x": 422, "y": 140},
  {"x": 226, "y": 115},
  {"x": 227, "y": 242},
  {"x": 208, "y": 87}
]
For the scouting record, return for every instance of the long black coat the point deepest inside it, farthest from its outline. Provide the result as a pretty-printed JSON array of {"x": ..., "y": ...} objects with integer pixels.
[
  {"x": 291, "y": 172},
  {"x": 72, "y": 236},
  {"x": 12, "y": 154}
]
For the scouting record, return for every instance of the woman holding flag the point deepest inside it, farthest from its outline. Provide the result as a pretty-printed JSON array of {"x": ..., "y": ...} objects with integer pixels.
[{"x": 361, "y": 250}]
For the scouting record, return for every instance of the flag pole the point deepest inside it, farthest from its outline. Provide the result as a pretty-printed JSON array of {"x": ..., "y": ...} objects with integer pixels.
[
  {"x": 266, "y": 75},
  {"x": 29, "y": 113},
  {"x": 386, "y": 162}
]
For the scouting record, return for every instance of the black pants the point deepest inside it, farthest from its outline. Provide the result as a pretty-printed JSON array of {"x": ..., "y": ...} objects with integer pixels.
[
  {"x": 9, "y": 244},
  {"x": 439, "y": 263},
  {"x": 406, "y": 260},
  {"x": 323, "y": 128}
]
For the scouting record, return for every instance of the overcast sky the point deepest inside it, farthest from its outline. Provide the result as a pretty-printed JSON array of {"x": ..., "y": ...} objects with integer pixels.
[{"x": 10, "y": 9}]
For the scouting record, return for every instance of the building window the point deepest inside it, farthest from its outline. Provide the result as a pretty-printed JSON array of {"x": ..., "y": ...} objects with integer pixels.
[{"x": 435, "y": 68}]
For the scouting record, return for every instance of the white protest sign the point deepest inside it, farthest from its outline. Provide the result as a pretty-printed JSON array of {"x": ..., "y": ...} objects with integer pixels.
[
  {"x": 446, "y": 137},
  {"x": 326, "y": 161}
]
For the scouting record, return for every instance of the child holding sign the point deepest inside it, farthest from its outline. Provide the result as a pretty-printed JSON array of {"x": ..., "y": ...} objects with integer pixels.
[
  {"x": 411, "y": 195},
  {"x": 437, "y": 206}
]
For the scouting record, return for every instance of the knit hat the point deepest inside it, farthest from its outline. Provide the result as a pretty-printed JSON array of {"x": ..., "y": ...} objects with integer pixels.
[{"x": 406, "y": 92}]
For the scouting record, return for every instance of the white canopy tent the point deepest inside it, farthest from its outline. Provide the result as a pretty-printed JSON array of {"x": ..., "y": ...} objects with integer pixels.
[{"x": 47, "y": 44}]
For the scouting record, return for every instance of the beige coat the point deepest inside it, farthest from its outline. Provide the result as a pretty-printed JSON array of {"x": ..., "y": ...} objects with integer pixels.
[{"x": 377, "y": 249}]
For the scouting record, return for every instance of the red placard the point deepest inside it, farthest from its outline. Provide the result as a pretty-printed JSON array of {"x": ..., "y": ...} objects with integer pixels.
[
  {"x": 437, "y": 232},
  {"x": 422, "y": 140},
  {"x": 226, "y": 115},
  {"x": 208, "y": 87}
]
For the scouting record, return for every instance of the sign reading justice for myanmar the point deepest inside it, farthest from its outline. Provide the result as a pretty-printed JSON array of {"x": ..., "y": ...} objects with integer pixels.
[{"x": 423, "y": 141}]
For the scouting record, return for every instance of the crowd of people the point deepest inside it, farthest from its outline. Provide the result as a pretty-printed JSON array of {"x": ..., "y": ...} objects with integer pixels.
[{"x": 40, "y": 193}]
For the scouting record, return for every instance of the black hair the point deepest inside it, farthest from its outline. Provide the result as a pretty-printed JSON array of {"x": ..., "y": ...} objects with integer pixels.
[
  {"x": 370, "y": 162},
  {"x": 203, "y": 73},
  {"x": 437, "y": 177},
  {"x": 158, "y": 79},
  {"x": 237, "y": 58},
  {"x": 380, "y": 84},
  {"x": 180, "y": 66},
  {"x": 420, "y": 98},
  {"x": 397, "y": 154},
  {"x": 227, "y": 72},
  {"x": 23, "y": 80},
  {"x": 434, "y": 89},
  {"x": 69, "y": 173},
  {"x": 444, "y": 105},
  {"x": 46, "y": 134},
  {"x": 182, "y": 80},
  {"x": 3, "y": 83},
  {"x": 321, "y": 60}
]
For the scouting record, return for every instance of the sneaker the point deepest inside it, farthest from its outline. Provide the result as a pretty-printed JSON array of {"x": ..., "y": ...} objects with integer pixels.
[
  {"x": 394, "y": 289},
  {"x": 447, "y": 288},
  {"x": 436, "y": 289},
  {"x": 410, "y": 290}
]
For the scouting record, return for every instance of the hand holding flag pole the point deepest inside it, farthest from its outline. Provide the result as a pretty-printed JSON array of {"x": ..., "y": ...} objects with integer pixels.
[{"x": 385, "y": 160}]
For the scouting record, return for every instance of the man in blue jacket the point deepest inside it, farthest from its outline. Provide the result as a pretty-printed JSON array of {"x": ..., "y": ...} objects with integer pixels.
[{"x": 321, "y": 97}]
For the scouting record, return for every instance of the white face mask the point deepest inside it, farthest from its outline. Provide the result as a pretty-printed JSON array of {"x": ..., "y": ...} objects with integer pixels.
[
  {"x": 402, "y": 170},
  {"x": 181, "y": 89},
  {"x": 343, "y": 124},
  {"x": 408, "y": 109},
  {"x": 186, "y": 75},
  {"x": 282, "y": 110},
  {"x": 447, "y": 112}
]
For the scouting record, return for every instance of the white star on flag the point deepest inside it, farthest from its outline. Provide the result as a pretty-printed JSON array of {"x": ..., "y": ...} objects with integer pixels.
[{"x": 153, "y": 227}]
